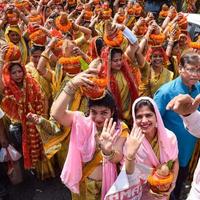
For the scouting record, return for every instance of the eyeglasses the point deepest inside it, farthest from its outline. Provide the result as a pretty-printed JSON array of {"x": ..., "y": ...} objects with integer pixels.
[{"x": 193, "y": 71}]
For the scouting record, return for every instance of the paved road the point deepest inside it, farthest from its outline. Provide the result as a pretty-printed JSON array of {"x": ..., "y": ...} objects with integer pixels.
[
  {"x": 33, "y": 189},
  {"x": 52, "y": 189}
]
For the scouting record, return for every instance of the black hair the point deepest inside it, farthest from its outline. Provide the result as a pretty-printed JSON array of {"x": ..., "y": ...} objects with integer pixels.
[
  {"x": 68, "y": 36},
  {"x": 35, "y": 48},
  {"x": 14, "y": 64},
  {"x": 99, "y": 45},
  {"x": 114, "y": 51},
  {"x": 189, "y": 57},
  {"x": 144, "y": 102},
  {"x": 108, "y": 101},
  {"x": 175, "y": 43}
]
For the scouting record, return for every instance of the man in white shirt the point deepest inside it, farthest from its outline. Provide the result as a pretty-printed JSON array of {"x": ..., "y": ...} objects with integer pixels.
[{"x": 186, "y": 106}]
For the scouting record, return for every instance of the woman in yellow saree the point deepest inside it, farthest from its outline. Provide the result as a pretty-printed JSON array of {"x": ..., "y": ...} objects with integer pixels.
[
  {"x": 155, "y": 73},
  {"x": 13, "y": 34}
]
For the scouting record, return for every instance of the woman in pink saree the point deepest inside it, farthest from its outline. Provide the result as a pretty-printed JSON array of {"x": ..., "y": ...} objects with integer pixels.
[
  {"x": 149, "y": 146},
  {"x": 159, "y": 144}
]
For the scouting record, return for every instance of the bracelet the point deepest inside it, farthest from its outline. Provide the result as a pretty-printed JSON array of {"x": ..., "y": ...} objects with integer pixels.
[
  {"x": 108, "y": 157},
  {"x": 170, "y": 43},
  {"x": 68, "y": 91},
  {"x": 45, "y": 55},
  {"x": 129, "y": 159},
  {"x": 69, "y": 88},
  {"x": 71, "y": 85}
]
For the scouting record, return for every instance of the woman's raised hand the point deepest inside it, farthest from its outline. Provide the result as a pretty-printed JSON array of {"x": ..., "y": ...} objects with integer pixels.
[
  {"x": 83, "y": 78},
  {"x": 133, "y": 142},
  {"x": 108, "y": 136}
]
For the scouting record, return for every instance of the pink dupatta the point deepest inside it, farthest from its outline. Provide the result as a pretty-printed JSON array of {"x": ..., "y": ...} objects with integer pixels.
[
  {"x": 82, "y": 147},
  {"x": 167, "y": 141},
  {"x": 167, "y": 145}
]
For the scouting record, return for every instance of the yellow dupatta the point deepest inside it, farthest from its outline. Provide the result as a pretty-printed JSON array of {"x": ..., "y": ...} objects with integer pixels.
[
  {"x": 44, "y": 84},
  {"x": 22, "y": 44}
]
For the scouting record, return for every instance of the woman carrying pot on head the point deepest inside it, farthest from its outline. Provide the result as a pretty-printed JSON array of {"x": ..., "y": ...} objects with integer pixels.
[
  {"x": 121, "y": 56},
  {"x": 21, "y": 95},
  {"x": 92, "y": 157}
]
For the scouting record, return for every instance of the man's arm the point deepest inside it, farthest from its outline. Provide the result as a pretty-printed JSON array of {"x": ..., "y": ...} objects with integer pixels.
[{"x": 192, "y": 123}]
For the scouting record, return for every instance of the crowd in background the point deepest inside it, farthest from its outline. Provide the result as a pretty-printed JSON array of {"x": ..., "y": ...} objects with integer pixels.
[{"x": 60, "y": 59}]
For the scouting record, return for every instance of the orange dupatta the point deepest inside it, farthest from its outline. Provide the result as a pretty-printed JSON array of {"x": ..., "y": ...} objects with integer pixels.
[{"x": 17, "y": 103}]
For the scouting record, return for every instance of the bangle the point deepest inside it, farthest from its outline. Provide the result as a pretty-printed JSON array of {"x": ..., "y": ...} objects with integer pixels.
[
  {"x": 108, "y": 157},
  {"x": 130, "y": 159},
  {"x": 170, "y": 43},
  {"x": 68, "y": 91},
  {"x": 45, "y": 55},
  {"x": 69, "y": 88}
]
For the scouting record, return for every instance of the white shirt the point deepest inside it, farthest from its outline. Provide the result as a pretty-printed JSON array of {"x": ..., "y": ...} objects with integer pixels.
[{"x": 192, "y": 123}]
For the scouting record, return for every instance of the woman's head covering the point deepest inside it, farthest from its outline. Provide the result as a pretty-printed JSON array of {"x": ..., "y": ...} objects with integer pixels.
[
  {"x": 96, "y": 44},
  {"x": 7, "y": 80},
  {"x": 23, "y": 49},
  {"x": 156, "y": 49},
  {"x": 167, "y": 140},
  {"x": 128, "y": 74}
]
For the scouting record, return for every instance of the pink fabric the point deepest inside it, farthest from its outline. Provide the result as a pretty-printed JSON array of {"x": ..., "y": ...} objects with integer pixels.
[
  {"x": 81, "y": 149},
  {"x": 109, "y": 176},
  {"x": 109, "y": 172},
  {"x": 167, "y": 144},
  {"x": 167, "y": 141}
]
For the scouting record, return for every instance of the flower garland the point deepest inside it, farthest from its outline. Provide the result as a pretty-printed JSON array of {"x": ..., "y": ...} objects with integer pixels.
[
  {"x": 120, "y": 19},
  {"x": 157, "y": 39},
  {"x": 63, "y": 28},
  {"x": 38, "y": 37},
  {"x": 23, "y": 5},
  {"x": 71, "y": 64},
  {"x": 183, "y": 24},
  {"x": 194, "y": 45},
  {"x": 163, "y": 14},
  {"x": 141, "y": 30},
  {"x": 69, "y": 60},
  {"x": 56, "y": 33},
  {"x": 13, "y": 53},
  {"x": 12, "y": 18},
  {"x": 107, "y": 13},
  {"x": 137, "y": 9},
  {"x": 98, "y": 89},
  {"x": 35, "y": 18},
  {"x": 114, "y": 41},
  {"x": 71, "y": 2},
  {"x": 57, "y": 50},
  {"x": 88, "y": 15}
]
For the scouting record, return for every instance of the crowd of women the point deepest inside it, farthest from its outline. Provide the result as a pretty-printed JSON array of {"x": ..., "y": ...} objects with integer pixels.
[{"x": 77, "y": 82}]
